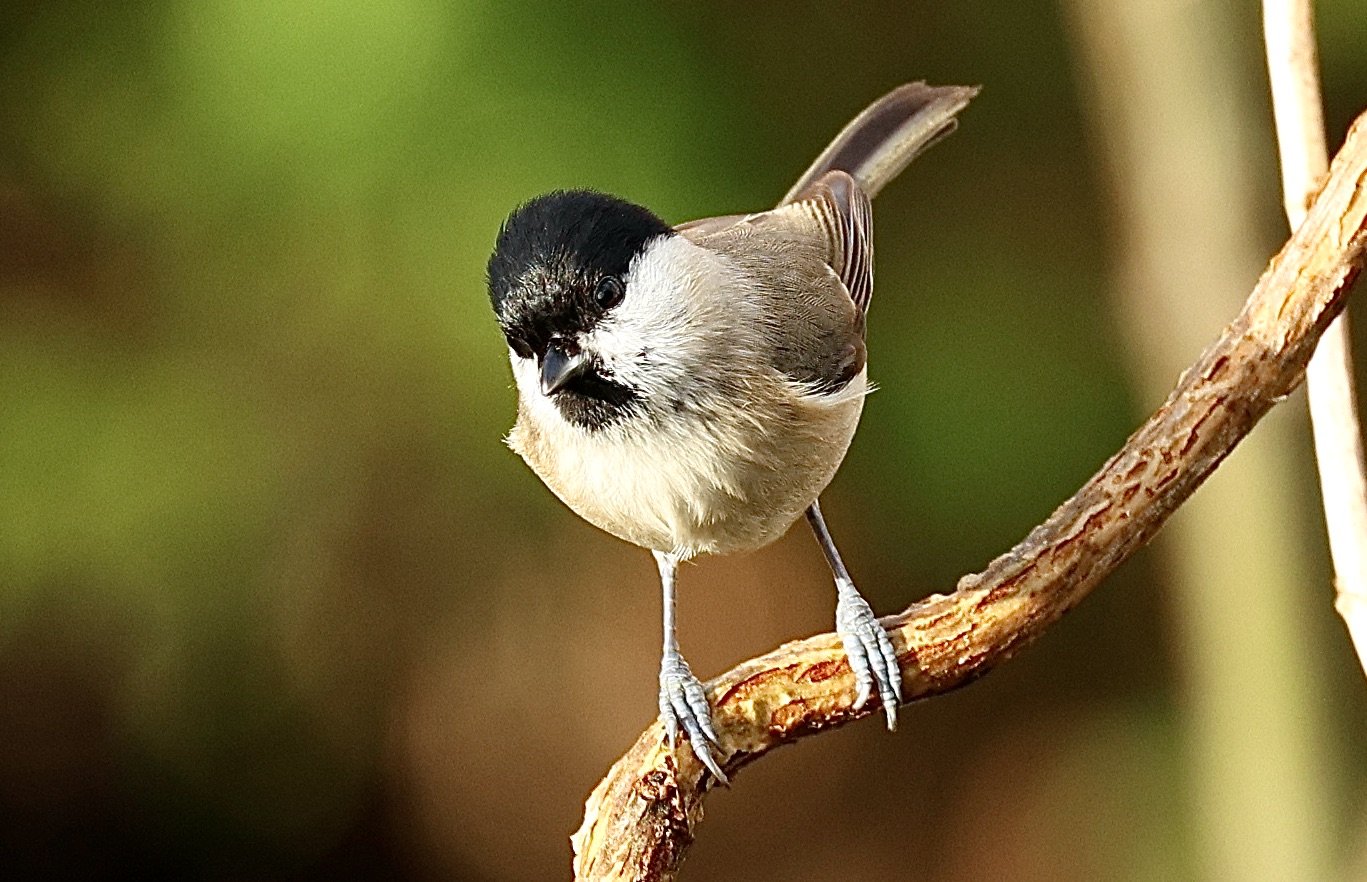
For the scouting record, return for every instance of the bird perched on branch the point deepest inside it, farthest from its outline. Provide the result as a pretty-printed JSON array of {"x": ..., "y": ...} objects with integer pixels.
[{"x": 692, "y": 389}]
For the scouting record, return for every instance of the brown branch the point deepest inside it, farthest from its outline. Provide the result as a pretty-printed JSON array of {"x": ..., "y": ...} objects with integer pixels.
[{"x": 640, "y": 819}]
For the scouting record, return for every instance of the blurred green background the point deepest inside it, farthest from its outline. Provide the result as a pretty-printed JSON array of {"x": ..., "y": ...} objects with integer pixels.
[{"x": 277, "y": 603}]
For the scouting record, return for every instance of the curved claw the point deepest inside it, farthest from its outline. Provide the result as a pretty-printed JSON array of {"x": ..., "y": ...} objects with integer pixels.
[
  {"x": 683, "y": 705},
  {"x": 870, "y": 651}
]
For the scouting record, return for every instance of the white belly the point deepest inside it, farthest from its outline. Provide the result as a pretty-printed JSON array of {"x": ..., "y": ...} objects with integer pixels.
[{"x": 718, "y": 480}]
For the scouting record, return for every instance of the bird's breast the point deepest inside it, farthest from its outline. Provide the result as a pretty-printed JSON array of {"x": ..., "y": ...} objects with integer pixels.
[{"x": 714, "y": 476}]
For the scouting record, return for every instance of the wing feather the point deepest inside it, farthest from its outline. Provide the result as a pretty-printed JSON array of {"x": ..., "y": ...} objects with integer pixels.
[
  {"x": 845, "y": 215},
  {"x": 811, "y": 262}
]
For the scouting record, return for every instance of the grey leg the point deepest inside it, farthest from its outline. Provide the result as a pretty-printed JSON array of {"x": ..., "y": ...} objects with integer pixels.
[
  {"x": 683, "y": 701},
  {"x": 866, "y": 643}
]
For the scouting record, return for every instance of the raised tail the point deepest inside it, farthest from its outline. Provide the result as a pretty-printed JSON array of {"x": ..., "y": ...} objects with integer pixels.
[{"x": 880, "y": 142}]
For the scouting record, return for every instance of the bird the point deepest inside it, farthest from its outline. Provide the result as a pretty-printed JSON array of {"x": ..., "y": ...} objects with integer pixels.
[{"x": 693, "y": 388}]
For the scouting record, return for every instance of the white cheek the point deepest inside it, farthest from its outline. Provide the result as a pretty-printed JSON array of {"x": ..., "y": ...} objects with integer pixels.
[
  {"x": 674, "y": 303},
  {"x": 526, "y": 374}
]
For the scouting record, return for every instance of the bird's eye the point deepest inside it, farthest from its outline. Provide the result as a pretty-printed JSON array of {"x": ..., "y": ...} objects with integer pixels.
[{"x": 609, "y": 292}]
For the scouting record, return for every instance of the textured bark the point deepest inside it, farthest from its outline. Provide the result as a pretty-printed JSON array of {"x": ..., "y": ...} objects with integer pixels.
[{"x": 641, "y": 818}]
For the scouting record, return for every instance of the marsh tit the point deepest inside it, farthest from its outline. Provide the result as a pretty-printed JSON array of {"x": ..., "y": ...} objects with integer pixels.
[{"x": 692, "y": 389}]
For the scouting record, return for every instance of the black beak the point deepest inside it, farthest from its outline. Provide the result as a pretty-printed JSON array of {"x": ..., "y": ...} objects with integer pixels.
[{"x": 559, "y": 368}]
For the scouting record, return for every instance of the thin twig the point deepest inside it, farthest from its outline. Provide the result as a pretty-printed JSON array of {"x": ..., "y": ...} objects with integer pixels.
[
  {"x": 640, "y": 820},
  {"x": 1289, "y": 32}
]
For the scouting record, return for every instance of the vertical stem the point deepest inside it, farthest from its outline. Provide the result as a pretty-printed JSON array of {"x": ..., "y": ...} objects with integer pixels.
[
  {"x": 1289, "y": 34},
  {"x": 1174, "y": 124}
]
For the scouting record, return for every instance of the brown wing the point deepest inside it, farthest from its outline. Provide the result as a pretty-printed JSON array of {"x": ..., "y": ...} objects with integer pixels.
[
  {"x": 810, "y": 262},
  {"x": 846, "y": 217}
]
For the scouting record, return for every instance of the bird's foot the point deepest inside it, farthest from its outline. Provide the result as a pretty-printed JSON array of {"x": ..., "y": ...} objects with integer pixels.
[
  {"x": 869, "y": 650},
  {"x": 683, "y": 705}
]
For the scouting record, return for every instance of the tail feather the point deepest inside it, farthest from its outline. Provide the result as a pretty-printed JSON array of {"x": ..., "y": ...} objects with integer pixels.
[{"x": 888, "y": 135}]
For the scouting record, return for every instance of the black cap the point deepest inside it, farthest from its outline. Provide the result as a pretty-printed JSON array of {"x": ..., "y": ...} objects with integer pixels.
[{"x": 551, "y": 255}]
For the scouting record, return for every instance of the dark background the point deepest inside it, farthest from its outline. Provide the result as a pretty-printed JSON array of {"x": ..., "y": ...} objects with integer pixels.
[{"x": 277, "y": 603}]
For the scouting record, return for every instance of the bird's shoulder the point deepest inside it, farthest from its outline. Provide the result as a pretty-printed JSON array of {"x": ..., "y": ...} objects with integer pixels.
[
  {"x": 811, "y": 263},
  {"x": 831, "y": 221}
]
